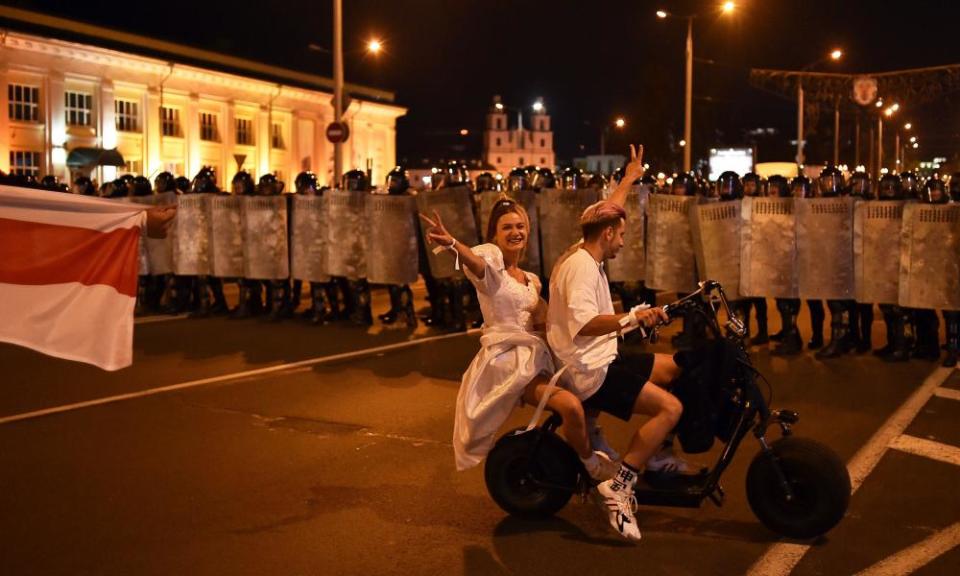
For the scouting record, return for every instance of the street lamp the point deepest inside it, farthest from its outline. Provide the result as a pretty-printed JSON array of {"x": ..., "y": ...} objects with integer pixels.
[
  {"x": 538, "y": 106},
  {"x": 374, "y": 46},
  {"x": 726, "y": 8},
  {"x": 835, "y": 55},
  {"x": 619, "y": 123}
]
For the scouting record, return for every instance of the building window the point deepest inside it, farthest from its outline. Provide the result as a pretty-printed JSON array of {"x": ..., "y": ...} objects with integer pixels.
[
  {"x": 543, "y": 161},
  {"x": 208, "y": 127},
  {"x": 277, "y": 136},
  {"x": 128, "y": 115},
  {"x": 24, "y": 103},
  {"x": 175, "y": 168},
  {"x": 133, "y": 167},
  {"x": 521, "y": 161},
  {"x": 170, "y": 121},
  {"x": 25, "y": 162},
  {"x": 244, "y": 131},
  {"x": 499, "y": 160},
  {"x": 79, "y": 106},
  {"x": 543, "y": 143},
  {"x": 498, "y": 141},
  {"x": 499, "y": 124}
]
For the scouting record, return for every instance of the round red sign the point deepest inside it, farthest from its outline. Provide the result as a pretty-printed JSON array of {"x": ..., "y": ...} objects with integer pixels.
[{"x": 338, "y": 132}]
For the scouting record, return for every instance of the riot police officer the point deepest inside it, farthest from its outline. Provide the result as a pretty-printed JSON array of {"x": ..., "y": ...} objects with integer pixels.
[
  {"x": 164, "y": 182},
  {"x": 684, "y": 184},
  {"x": 52, "y": 183},
  {"x": 321, "y": 293},
  {"x": 861, "y": 320},
  {"x": 544, "y": 178},
  {"x": 356, "y": 293},
  {"x": 84, "y": 186},
  {"x": 401, "y": 297},
  {"x": 910, "y": 185},
  {"x": 572, "y": 178},
  {"x": 752, "y": 184},
  {"x": 277, "y": 289},
  {"x": 952, "y": 317},
  {"x": 250, "y": 302},
  {"x": 518, "y": 179},
  {"x": 801, "y": 187},
  {"x": 789, "y": 340},
  {"x": 927, "y": 325},
  {"x": 486, "y": 182},
  {"x": 896, "y": 318},
  {"x": 205, "y": 182},
  {"x": 182, "y": 184},
  {"x": 830, "y": 184}
]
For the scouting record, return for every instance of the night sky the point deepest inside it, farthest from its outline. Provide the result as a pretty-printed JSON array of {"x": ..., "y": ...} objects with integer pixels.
[{"x": 590, "y": 61}]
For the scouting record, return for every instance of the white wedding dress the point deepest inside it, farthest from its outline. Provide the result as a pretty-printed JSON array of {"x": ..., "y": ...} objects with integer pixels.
[{"x": 512, "y": 354}]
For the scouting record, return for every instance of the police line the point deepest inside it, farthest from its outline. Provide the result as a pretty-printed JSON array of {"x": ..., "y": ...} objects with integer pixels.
[{"x": 888, "y": 252}]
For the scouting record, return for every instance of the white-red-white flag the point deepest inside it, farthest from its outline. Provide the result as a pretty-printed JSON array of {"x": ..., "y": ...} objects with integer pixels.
[{"x": 68, "y": 275}]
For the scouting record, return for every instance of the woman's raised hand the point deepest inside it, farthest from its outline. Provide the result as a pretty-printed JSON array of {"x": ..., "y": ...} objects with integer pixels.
[{"x": 437, "y": 233}]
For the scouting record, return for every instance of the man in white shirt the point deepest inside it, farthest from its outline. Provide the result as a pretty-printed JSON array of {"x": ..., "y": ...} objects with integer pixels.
[{"x": 582, "y": 330}]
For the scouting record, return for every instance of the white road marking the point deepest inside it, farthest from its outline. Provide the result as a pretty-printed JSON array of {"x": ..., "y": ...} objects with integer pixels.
[
  {"x": 948, "y": 393},
  {"x": 781, "y": 558},
  {"x": 927, "y": 448},
  {"x": 158, "y": 318},
  {"x": 920, "y": 554},
  {"x": 234, "y": 376}
]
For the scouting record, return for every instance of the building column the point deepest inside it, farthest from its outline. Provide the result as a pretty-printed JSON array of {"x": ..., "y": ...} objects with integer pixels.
[
  {"x": 191, "y": 134},
  {"x": 264, "y": 143},
  {"x": 55, "y": 126},
  {"x": 322, "y": 165},
  {"x": 4, "y": 121},
  {"x": 228, "y": 137},
  {"x": 293, "y": 156},
  {"x": 150, "y": 126}
]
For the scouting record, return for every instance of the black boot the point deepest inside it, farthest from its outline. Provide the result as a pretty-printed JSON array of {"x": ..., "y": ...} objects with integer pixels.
[
  {"x": 361, "y": 314},
  {"x": 889, "y": 322},
  {"x": 143, "y": 287},
  {"x": 406, "y": 306},
  {"x": 817, "y": 317},
  {"x": 318, "y": 297},
  {"x": 390, "y": 316},
  {"x": 900, "y": 352},
  {"x": 219, "y": 307},
  {"x": 865, "y": 315},
  {"x": 761, "y": 338},
  {"x": 243, "y": 303},
  {"x": 840, "y": 337},
  {"x": 201, "y": 297},
  {"x": 952, "y": 320},
  {"x": 279, "y": 291},
  {"x": 791, "y": 343},
  {"x": 928, "y": 335},
  {"x": 293, "y": 299}
]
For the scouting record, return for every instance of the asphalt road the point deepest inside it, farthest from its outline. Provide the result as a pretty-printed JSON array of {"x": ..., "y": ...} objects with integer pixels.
[{"x": 344, "y": 466}]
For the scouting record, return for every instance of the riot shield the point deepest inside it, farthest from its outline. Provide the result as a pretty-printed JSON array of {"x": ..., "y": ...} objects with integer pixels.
[
  {"x": 347, "y": 233},
  {"x": 264, "y": 220},
  {"x": 630, "y": 263},
  {"x": 455, "y": 206},
  {"x": 876, "y": 239},
  {"x": 930, "y": 257},
  {"x": 768, "y": 248},
  {"x": 392, "y": 239},
  {"x": 226, "y": 237},
  {"x": 560, "y": 212},
  {"x": 716, "y": 242},
  {"x": 191, "y": 235},
  {"x": 529, "y": 200},
  {"x": 671, "y": 264},
  {"x": 309, "y": 249},
  {"x": 825, "y": 248}
]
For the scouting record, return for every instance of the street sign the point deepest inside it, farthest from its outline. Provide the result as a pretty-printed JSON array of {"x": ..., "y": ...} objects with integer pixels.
[
  {"x": 864, "y": 90},
  {"x": 338, "y": 132}
]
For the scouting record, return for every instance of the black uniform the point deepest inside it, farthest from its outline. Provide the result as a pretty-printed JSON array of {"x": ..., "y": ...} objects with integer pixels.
[{"x": 401, "y": 297}]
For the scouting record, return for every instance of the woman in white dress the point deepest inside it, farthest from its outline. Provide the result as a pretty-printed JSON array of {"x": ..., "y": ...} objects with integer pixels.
[{"x": 514, "y": 361}]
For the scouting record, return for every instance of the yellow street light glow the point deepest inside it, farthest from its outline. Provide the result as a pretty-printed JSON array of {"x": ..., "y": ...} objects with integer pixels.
[
  {"x": 879, "y": 103},
  {"x": 729, "y": 6},
  {"x": 915, "y": 145},
  {"x": 374, "y": 46},
  {"x": 682, "y": 143},
  {"x": 895, "y": 107},
  {"x": 907, "y": 126},
  {"x": 662, "y": 14},
  {"x": 464, "y": 132},
  {"x": 620, "y": 123},
  {"x": 888, "y": 112},
  {"x": 538, "y": 106},
  {"x": 913, "y": 139},
  {"x": 498, "y": 106},
  {"x": 836, "y": 54}
]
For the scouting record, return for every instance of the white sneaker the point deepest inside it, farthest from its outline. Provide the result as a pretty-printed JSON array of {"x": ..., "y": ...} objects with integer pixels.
[
  {"x": 669, "y": 463},
  {"x": 619, "y": 506},
  {"x": 603, "y": 469},
  {"x": 599, "y": 443}
]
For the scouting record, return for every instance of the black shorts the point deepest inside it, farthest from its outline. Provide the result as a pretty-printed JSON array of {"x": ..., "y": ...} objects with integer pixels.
[{"x": 626, "y": 376}]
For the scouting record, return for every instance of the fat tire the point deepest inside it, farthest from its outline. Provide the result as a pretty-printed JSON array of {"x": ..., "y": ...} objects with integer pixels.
[
  {"x": 820, "y": 481},
  {"x": 505, "y": 468}
]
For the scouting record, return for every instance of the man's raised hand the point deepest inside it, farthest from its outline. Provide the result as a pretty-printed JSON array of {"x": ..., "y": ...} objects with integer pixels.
[{"x": 634, "y": 170}]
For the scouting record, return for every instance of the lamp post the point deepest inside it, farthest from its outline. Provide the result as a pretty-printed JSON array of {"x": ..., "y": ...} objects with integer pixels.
[
  {"x": 835, "y": 55},
  {"x": 726, "y": 8},
  {"x": 619, "y": 123}
]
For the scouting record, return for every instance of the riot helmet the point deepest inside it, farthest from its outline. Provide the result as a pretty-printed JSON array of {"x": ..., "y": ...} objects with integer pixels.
[
  {"x": 487, "y": 183},
  {"x": 518, "y": 180},
  {"x": 306, "y": 183},
  {"x": 544, "y": 178},
  {"x": 141, "y": 186},
  {"x": 398, "y": 182},
  {"x": 890, "y": 187},
  {"x": 182, "y": 184},
  {"x": 457, "y": 174},
  {"x": 617, "y": 175},
  {"x": 955, "y": 187},
  {"x": 752, "y": 184},
  {"x": 800, "y": 187},
  {"x": 830, "y": 182},
  {"x": 934, "y": 192},
  {"x": 572, "y": 178},
  {"x": 860, "y": 186},
  {"x": 164, "y": 182},
  {"x": 684, "y": 184},
  {"x": 52, "y": 183},
  {"x": 438, "y": 178},
  {"x": 729, "y": 186},
  {"x": 598, "y": 181},
  {"x": 242, "y": 184},
  {"x": 84, "y": 185},
  {"x": 121, "y": 187},
  {"x": 205, "y": 182},
  {"x": 269, "y": 185},
  {"x": 355, "y": 180},
  {"x": 910, "y": 185},
  {"x": 778, "y": 187}
]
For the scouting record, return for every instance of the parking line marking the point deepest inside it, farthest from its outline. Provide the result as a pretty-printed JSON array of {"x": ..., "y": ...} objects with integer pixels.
[
  {"x": 927, "y": 448},
  {"x": 781, "y": 558},
  {"x": 915, "y": 557},
  {"x": 233, "y": 376},
  {"x": 948, "y": 393}
]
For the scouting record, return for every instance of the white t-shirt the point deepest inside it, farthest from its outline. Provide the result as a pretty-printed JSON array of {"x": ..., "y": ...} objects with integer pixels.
[{"x": 579, "y": 292}]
